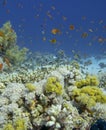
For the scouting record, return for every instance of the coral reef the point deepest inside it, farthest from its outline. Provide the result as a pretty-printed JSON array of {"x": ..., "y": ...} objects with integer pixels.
[
  {"x": 88, "y": 96},
  {"x": 19, "y": 124},
  {"x": 53, "y": 85},
  {"x": 30, "y": 87},
  {"x": 89, "y": 80},
  {"x": 102, "y": 79},
  {"x": 48, "y": 98},
  {"x": 46, "y": 91},
  {"x": 9, "y": 51}
]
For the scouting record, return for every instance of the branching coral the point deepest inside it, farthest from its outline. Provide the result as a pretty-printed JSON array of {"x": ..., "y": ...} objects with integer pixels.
[{"x": 53, "y": 85}]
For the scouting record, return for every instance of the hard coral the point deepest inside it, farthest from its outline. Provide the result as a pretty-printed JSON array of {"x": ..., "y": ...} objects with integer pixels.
[
  {"x": 19, "y": 124},
  {"x": 88, "y": 96},
  {"x": 8, "y": 127},
  {"x": 30, "y": 87},
  {"x": 89, "y": 80},
  {"x": 53, "y": 85}
]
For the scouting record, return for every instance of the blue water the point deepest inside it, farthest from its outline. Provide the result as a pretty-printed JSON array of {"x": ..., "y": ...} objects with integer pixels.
[{"x": 32, "y": 23}]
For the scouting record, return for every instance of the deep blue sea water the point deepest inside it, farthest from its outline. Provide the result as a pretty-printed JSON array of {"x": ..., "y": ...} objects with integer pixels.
[{"x": 33, "y": 21}]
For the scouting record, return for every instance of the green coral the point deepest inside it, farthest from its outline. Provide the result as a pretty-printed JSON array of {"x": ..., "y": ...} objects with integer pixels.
[
  {"x": 89, "y": 80},
  {"x": 53, "y": 85},
  {"x": 8, "y": 47},
  {"x": 88, "y": 96},
  {"x": 16, "y": 55},
  {"x": 30, "y": 87},
  {"x": 8, "y": 37}
]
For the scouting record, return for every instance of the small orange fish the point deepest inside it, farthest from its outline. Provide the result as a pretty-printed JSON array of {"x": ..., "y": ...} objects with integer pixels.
[
  {"x": 1, "y": 66},
  {"x": 72, "y": 27},
  {"x": 55, "y": 31},
  {"x": 1, "y": 34}
]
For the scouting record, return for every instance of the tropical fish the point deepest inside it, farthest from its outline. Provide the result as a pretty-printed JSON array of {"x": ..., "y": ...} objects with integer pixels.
[
  {"x": 44, "y": 38},
  {"x": 53, "y": 7},
  {"x": 1, "y": 66},
  {"x": 55, "y": 31},
  {"x": 1, "y": 34},
  {"x": 90, "y": 30},
  {"x": 53, "y": 40},
  {"x": 72, "y": 27},
  {"x": 64, "y": 18},
  {"x": 49, "y": 15},
  {"x": 84, "y": 35},
  {"x": 101, "y": 39}
]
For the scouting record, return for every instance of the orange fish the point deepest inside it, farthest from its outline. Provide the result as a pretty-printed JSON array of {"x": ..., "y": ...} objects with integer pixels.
[
  {"x": 55, "y": 31},
  {"x": 1, "y": 34},
  {"x": 1, "y": 66},
  {"x": 72, "y": 27}
]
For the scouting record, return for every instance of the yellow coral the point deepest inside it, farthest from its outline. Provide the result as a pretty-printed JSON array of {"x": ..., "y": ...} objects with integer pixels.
[
  {"x": 8, "y": 127},
  {"x": 30, "y": 87},
  {"x": 53, "y": 85},
  {"x": 20, "y": 124},
  {"x": 89, "y": 96},
  {"x": 89, "y": 80}
]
